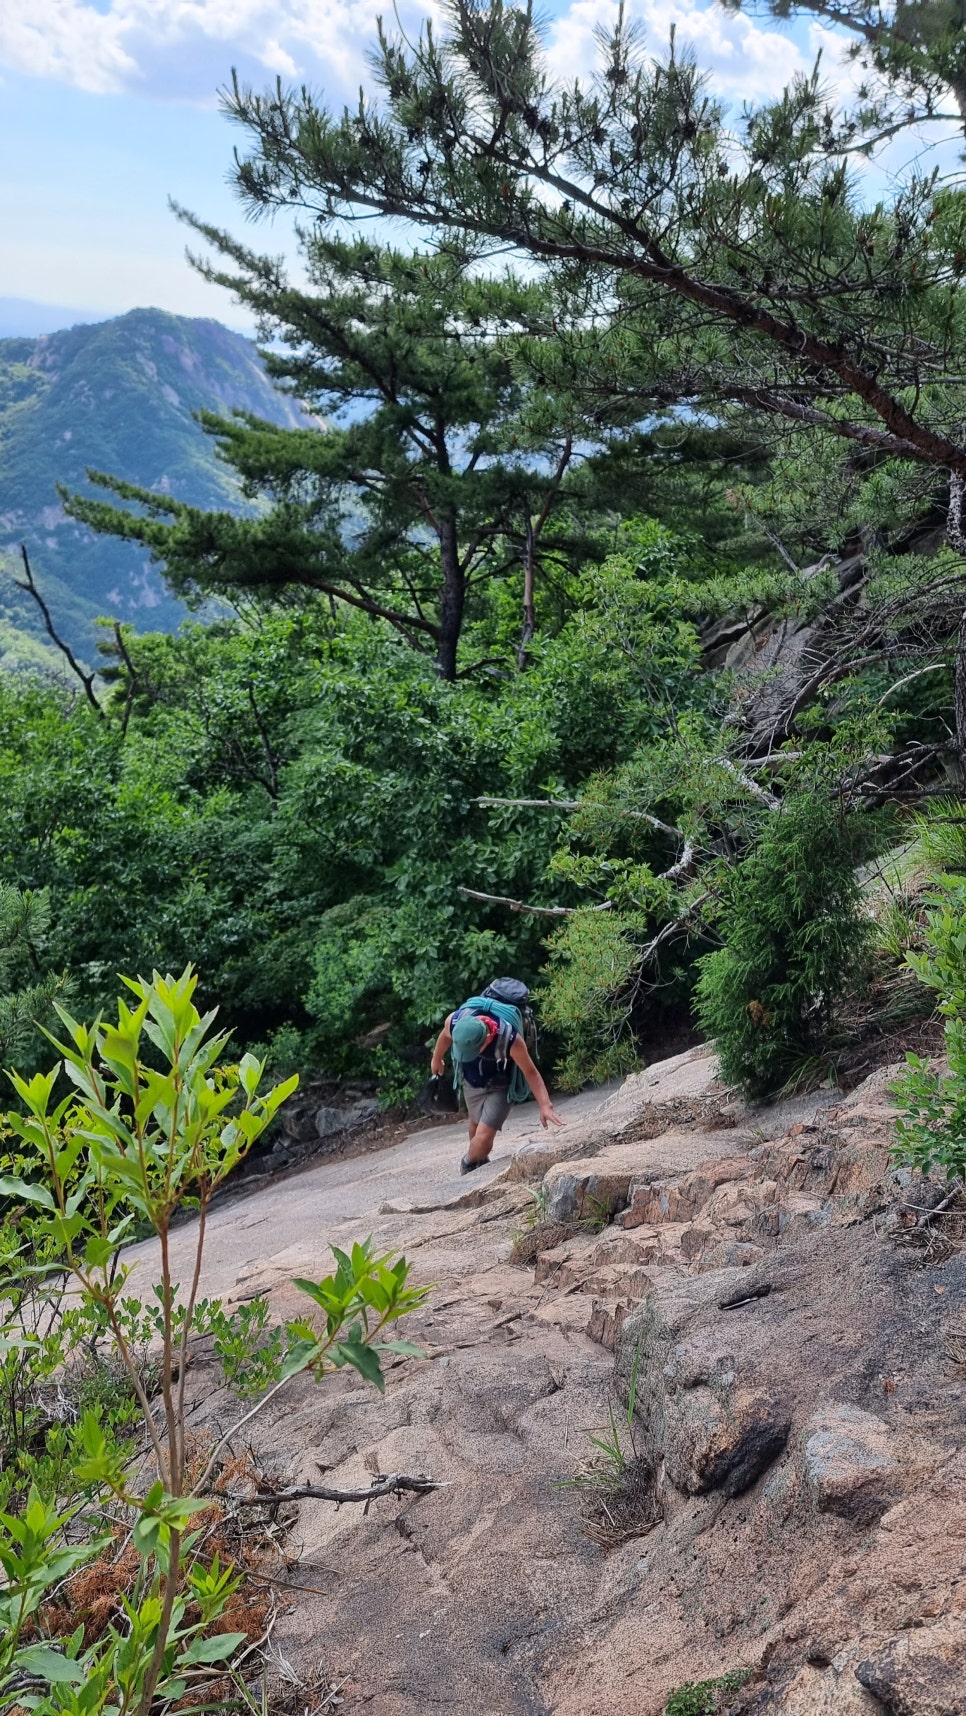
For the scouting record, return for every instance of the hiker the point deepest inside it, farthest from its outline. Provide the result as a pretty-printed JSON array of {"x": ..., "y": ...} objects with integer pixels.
[{"x": 485, "y": 1035}]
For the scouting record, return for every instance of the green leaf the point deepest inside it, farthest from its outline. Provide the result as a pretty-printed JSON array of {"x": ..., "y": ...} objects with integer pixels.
[
  {"x": 211, "y": 1650},
  {"x": 365, "y": 1360},
  {"x": 17, "y": 1343},
  {"x": 49, "y": 1665},
  {"x": 299, "y": 1356},
  {"x": 145, "y": 1535},
  {"x": 11, "y": 1187}
]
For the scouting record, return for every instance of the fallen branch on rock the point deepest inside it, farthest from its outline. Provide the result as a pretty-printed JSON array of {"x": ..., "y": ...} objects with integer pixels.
[
  {"x": 388, "y": 1484},
  {"x": 746, "y": 1297}
]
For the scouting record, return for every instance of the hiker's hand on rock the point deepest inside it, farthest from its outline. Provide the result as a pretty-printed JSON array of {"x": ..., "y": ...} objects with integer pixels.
[{"x": 550, "y": 1117}]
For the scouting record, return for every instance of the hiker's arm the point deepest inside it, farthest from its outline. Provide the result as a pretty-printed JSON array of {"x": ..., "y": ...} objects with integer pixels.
[
  {"x": 548, "y": 1114},
  {"x": 443, "y": 1042}
]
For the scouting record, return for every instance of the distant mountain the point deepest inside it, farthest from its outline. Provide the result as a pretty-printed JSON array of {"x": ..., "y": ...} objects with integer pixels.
[
  {"x": 115, "y": 396},
  {"x": 25, "y": 318}
]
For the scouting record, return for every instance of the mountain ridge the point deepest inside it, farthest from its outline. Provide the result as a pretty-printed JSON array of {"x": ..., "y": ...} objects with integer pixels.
[{"x": 118, "y": 396}]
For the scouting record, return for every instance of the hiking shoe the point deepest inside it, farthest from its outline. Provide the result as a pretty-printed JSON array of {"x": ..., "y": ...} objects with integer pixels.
[{"x": 466, "y": 1166}]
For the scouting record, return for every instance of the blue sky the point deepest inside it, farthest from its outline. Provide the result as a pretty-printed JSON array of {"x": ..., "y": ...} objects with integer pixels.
[{"x": 108, "y": 107}]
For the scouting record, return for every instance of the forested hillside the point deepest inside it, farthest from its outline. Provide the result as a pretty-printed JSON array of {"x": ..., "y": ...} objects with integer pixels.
[
  {"x": 564, "y": 648},
  {"x": 117, "y": 396}
]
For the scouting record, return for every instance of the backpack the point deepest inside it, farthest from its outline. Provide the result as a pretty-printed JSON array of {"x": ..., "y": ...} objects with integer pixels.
[
  {"x": 516, "y": 994},
  {"x": 505, "y": 1000}
]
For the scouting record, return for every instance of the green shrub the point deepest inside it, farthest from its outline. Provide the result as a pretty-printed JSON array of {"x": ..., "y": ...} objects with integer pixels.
[
  {"x": 156, "y": 1121},
  {"x": 703, "y": 1697},
  {"x": 931, "y": 1125},
  {"x": 588, "y": 995},
  {"x": 942, "y": 963},
  {"x": 793, "y": 936}
]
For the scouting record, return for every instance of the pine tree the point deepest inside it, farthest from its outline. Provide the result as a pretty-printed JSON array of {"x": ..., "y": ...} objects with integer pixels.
[
  {"x": 719, "y": 269},
  {"x": 437, "y": 469},
  {"x": 26, "y": 988},
  {"x": 913, "y": 55}
]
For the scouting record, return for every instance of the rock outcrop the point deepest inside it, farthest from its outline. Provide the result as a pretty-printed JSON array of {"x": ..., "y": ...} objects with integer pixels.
[
  {"x": 787, "y": 1365},
  {"x": 790, "y": 1390}
]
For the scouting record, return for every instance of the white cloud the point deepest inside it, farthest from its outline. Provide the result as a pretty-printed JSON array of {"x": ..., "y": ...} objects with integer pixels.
[
  {"x": 746, "y": 61},
  {"x": 182, "y": 49},
  {"x": 92, "y": 276},
  {"x": 68, "y": 41}
]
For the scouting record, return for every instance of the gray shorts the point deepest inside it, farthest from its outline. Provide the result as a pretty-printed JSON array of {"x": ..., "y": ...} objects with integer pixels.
[{"x": 488, "y": 1107}]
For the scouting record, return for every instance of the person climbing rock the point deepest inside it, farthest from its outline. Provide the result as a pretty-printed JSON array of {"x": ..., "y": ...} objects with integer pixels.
[{"x": 492, "y": 1063}]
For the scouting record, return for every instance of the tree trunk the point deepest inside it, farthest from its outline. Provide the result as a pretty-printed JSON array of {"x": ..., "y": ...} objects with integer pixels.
[
  {"x": 452, "y": 600},
  {"x": 529, "y": 612},
  {"x": 956, "y": 537},
  {"x": 959, "y": 700}
]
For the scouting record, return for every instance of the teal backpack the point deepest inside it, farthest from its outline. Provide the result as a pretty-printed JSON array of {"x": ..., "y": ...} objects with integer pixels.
[{"x": 510, "y": 1018}]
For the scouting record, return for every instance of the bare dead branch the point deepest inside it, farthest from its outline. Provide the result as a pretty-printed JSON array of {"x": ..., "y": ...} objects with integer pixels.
[
  {"x": 761, "y": 793},
  {"x": 932, "y": 667},
  {"x": 583, "y": 804},
  {"x": 670, "y": 930},
  {"x": 521, "y": 905},
  {"x": 132, "y": 676},
  {"x": 683, "y": 867},
  {"x": 390, "y": 1484},
  {"x": 27, "y": 584}
]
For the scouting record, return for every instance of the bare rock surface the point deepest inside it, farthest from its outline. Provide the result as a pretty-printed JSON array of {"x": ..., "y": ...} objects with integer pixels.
[{"x": 792, "y": 1391}]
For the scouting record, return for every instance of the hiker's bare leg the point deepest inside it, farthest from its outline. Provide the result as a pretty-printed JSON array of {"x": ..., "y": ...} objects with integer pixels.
[{"x": 481, "y": 1142}]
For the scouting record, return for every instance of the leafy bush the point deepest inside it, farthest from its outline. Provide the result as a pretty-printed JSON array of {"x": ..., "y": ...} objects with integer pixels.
[
  {"x": 931, "y": 1125},
  {"x": 25, "y": 989},
  {"x": 154, "y": 1123},
  {"x": 703, "y": 1697},
  {"x": 793, "y": 937},
  {"x": 586, "y": 998}
]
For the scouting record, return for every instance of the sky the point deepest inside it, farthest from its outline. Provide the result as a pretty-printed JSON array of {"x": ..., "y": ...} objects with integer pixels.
[{"x": 110, "y": 107}]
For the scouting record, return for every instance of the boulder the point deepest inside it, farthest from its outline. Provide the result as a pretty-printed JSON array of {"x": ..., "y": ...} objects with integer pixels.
[
  {"x": 705, "y": 1409},
  {"x": 848, "y": 1463},
  {"x": 591, "y": 1190},
  {"x": 721, "y": 1437},
  {"x": 331, "y": 1120},
  {"x": 681, "y": 1199},
  {"x": 685, "y": 1087},
  {"x": 920, "y": 1672},
  {"x": 594, "y": 1186},
  {"x": 819, "y": 1692},
  {"x": 606, "y": 1321},
  {"x": 537, "y": 1156}
]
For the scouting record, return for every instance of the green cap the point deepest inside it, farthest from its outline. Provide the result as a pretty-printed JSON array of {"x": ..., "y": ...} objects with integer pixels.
[{"x": 469, "y": 1036}]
